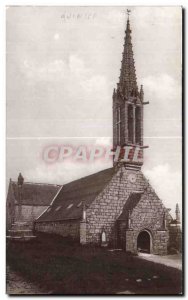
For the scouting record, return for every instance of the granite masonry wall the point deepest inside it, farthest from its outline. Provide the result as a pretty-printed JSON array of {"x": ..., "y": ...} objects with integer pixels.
[
  {"x": 28, "y": 213},
  {"x": 10, "y": 213},
  {"x": 158, "y": 241},
  {"x": 83, "y": 233},
  {"x": 69, "y": 228},
  {"x": 175, "y": 238},
  {"x": 107, "y": 207},
  {"x": 103, "y": 213}
]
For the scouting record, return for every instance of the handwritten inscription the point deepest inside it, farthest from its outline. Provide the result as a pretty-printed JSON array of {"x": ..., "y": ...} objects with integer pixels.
[{"x": 77, "y": 16}]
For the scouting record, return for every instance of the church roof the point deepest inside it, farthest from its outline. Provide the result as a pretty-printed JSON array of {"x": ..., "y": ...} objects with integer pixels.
[
  {"x": 69, "y": 202},
  {"x": 38, "y": 194},
  {"x": 130, "y": 204}
]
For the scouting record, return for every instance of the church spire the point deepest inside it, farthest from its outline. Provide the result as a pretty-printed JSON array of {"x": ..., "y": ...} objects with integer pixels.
[
  {"x": 128, "y": 83},
  {"x": 128, "y": 105}
]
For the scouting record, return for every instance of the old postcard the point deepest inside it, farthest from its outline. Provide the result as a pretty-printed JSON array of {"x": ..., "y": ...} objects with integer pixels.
[{"x": 94, "y": 150}]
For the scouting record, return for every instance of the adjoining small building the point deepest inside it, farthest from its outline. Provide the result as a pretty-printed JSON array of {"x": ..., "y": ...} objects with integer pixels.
[{"x": 26, "y": 201}]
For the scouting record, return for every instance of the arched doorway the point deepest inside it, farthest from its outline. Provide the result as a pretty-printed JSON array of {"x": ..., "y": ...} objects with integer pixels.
[{"x": 144, "y": 242}]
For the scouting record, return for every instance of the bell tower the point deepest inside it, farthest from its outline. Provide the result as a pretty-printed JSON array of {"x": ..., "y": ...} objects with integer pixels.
[{"x": 128, "y": 103}]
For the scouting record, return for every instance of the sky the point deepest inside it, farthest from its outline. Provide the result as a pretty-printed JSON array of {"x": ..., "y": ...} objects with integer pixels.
[{"x": 62, "y": 66}]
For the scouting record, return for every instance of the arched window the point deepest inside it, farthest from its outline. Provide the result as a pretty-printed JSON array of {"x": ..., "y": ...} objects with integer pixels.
[
  {"x": 138, "y": 125},
  {"x": 130, "y": 124},
  {"x": 103, "y": 237},
  {"x": 118, "y": 125}
]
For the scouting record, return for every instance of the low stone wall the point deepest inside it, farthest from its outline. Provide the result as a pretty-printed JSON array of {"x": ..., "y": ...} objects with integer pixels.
[
  {"x": 160, "y": 242},
  {"x": 175, "y": 238},
  {"x": 64, "y": 228}
]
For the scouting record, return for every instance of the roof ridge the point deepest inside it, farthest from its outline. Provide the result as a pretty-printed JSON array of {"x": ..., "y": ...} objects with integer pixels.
[
  {"x": 39, "y": 183},
  {"x": 60, "y": 185},
  {"x": 88, "y": 176}
]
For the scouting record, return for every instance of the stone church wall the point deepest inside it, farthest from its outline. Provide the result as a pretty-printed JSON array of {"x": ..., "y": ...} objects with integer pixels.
[
  {"x": 159, "y": 241},
  {"x": 28, "y": 213},
  {"x": 10, "y": 208},
  {"x": 149, "y": 214},
  {"x": 107, "y": 207},
  {"x": 64, "y": 228},
  {"x": 104, "y": 211},
  {"x": 175, "y": 238},
  {"x": 10, "y": 212}
]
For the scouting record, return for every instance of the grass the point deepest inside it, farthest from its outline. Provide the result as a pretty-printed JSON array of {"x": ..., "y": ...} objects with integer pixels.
[{"x": 61, "y": 266}]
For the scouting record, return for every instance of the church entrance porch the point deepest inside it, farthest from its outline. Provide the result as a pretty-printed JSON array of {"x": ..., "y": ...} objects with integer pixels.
[{"x": 144, "y": 242}]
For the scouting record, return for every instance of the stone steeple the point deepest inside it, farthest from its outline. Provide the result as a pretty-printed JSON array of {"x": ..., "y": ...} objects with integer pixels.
[
  {"x": 128, "y": 104},
  {"x": 127, "y": 80}
]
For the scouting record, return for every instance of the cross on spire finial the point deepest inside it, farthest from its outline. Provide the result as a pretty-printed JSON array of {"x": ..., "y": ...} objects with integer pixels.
[{"x": 128, "y": 12}]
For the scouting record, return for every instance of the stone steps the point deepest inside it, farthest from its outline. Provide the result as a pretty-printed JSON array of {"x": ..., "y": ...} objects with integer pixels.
[
  {"x": 21, "y": 226},
  {"x": 20, "y": 238},
  {"x": 20, "y": 231},
  {"x": 17, "y": 233}
]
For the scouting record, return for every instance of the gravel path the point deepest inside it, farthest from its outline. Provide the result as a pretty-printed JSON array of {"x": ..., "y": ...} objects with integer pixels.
[{"x": 174, "y": 261}]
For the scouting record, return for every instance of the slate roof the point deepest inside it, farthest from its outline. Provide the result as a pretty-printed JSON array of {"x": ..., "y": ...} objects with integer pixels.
[
  {"x": 38, "y": 194},
  {"x": 130, "y": 204},
  {"x": 69, "y": 202}
]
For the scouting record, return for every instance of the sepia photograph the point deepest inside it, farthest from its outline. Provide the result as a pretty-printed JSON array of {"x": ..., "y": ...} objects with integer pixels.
[{"x": 94, "y": 150}]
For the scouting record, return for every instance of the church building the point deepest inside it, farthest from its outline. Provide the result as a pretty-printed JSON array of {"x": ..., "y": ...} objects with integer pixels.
[
  {"x": 116, "y": 207},
  {"x": 26, "y": 201}
]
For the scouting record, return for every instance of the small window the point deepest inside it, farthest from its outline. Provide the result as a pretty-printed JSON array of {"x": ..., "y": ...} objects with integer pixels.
[
  {"x": 58, "y": 208},
  {"x": 68, "y": 207},
  {"x": 79, "y": 204},
  {"x": 103, "y": 237}
]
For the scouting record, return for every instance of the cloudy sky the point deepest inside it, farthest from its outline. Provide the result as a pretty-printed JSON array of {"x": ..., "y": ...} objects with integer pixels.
[{"x": 62, "y": 66}]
